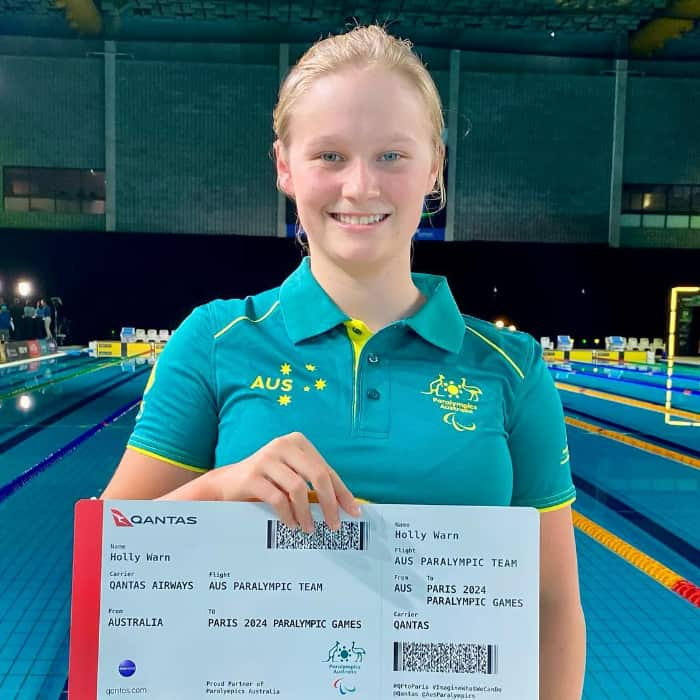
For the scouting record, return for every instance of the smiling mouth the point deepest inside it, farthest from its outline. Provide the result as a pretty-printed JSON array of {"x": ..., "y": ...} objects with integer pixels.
[{"x": 360, "y": 220}]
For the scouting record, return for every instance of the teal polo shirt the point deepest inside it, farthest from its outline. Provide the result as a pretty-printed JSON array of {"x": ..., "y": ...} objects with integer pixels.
[{"x": 437, "y": 408}]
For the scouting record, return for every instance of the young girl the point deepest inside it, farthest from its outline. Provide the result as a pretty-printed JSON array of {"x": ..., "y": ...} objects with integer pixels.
[{"x": 355, "y": 375}]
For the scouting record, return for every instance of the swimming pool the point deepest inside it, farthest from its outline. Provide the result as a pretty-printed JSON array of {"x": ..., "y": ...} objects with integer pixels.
[{"x": 64, "y": 424}]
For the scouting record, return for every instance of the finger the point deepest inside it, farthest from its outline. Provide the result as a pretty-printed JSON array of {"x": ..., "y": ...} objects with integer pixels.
[
  {"x": 341, "y": 492},
  {"x": 345, "y": 498},
  {"x": 265, "y": 490},
  {"x": 289, "y": 480},
  {"x": 306, "y": 460}
]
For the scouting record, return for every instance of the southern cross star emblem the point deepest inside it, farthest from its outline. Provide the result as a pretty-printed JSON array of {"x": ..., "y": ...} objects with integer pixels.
[{"x": 287, "y": 386}]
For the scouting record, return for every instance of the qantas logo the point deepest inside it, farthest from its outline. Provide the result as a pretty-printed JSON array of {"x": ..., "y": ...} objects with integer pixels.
[{"x": 121, "y": 520}]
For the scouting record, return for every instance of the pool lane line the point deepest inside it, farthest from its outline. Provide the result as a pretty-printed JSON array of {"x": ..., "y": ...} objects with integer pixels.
[
  {"x": 27, "y": 389},
  {"x": 58, "y": 380},
  {"x": 12, "y": 486},
  {"x": 683, "y": 548},
  {"x": 35, "y": 429},
  {"x": 626, "y": 430},
  {"x": 646, "y": 564},
  {"x": 18, "y": 363},
  {"x": 24, "y": 377},
  {"x": 686, "y": 459},
  {"x": 631, "y": 370},
  {"x": 637, "y": 403},
  {"x": 647, "y": 385}
]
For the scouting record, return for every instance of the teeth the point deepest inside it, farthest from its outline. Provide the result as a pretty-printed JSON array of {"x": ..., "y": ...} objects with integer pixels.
[{"x": 354, "y": 220}]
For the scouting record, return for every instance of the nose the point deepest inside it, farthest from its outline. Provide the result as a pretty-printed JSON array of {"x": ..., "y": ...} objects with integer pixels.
[{"x": 360, "y": 181}]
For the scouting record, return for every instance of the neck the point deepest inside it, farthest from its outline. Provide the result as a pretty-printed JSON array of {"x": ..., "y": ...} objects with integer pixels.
[{"x": 378, "y": 297}]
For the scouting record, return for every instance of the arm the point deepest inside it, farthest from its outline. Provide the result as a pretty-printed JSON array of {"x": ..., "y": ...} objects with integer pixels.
[
  {"x": 562, "y": 625},
  {"x": 171, "y": 452},
  {"x": 278, "y": 473},
  {"x": 142, "y": 477}
]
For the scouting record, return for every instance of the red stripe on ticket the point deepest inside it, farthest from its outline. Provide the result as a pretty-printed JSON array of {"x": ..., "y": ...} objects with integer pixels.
[{"x": 85, "y": 600}]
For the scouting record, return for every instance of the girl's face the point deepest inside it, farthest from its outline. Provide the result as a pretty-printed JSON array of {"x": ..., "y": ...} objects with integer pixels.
[{"x": 359, "y": 162}]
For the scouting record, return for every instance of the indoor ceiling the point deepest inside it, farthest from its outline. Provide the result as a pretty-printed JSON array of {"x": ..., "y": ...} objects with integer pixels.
[{"x": 620, "y": 28}]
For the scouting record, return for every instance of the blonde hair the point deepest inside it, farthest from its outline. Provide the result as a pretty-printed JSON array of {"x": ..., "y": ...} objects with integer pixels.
[{"x": 363, "y": 46}]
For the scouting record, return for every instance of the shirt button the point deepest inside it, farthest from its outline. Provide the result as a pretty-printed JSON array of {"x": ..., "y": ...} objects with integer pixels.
[
  {"x": 373, "y": 394},
  {"x": 373, "y": 359}
]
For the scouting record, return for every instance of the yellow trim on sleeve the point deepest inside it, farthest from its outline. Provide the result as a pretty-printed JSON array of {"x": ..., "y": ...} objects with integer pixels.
[
  {"x": 198, "y": 470},
  {"x": 557, "y": 507},
  {"x": 497, "y": 349},
  {"x": 247, "y": 318}
]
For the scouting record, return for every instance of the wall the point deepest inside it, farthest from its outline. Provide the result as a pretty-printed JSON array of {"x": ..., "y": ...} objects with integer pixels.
[
  {"x": 51, "y": 111},
  {"x": 193, "y": 137}
]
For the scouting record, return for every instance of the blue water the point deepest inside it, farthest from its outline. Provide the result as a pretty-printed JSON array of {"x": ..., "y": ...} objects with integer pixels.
[{"x": 643, "y": 640}]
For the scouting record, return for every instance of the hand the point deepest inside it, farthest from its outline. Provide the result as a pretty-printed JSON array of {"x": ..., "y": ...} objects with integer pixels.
[{"x": 279, "y": 474}]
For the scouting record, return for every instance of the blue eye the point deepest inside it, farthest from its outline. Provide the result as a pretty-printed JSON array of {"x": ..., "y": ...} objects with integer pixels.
[
  {"x": 391, "y": 156},
  {"x": 330, "y": 157}
]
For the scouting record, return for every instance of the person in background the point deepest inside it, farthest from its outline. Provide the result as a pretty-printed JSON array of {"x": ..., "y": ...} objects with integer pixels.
[
  {"x": 43, "y": 312},
  {"x": 28, "y": 316},
  {"x": 29, "y": 309},
  {"x": 16, "y": 310},
  {"x": 5, "y": 323}
]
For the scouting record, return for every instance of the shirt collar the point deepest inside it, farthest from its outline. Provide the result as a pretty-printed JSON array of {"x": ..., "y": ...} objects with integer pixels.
[
  {"x": 308, "y": 311},
  {"x": 439, "y": 320}
]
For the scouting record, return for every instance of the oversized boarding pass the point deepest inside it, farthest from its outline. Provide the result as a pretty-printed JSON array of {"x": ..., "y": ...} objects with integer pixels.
[{"x": 190, "y": 600}]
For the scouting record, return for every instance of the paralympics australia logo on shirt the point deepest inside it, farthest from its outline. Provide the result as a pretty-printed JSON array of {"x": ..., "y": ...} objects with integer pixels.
[
  {"x": 458, "y": 399},
  {"x": 289, "y": 380}
]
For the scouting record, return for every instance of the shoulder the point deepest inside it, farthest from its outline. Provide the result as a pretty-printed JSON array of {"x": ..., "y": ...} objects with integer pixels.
[
  {"x": 518, "y": 350},
  {"x": 223, "y": 315}
]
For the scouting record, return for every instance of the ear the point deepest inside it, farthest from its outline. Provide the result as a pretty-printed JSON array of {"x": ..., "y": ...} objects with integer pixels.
[
  {"x": 432, "y": 177},
  {"x": 284, "y": 175}
]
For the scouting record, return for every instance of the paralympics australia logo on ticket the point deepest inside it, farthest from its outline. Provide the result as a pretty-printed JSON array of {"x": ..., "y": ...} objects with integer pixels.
[{"x": 344, "y": 659}]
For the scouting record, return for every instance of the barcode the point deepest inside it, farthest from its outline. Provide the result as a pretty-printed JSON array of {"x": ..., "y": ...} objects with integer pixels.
[
  {"x": 445, "y": 658},
  {"x": 351, "y": 535}
]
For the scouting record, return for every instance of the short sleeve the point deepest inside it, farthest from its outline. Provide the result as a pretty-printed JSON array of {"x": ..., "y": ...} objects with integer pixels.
[
  {"x": 178, "y": 418},
  {"x": 537, "y": 440}
]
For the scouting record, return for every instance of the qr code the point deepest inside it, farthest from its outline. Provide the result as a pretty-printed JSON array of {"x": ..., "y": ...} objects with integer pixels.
[
  {"x": 351, "y": 535},
  {"x": 443, "y": 657}
]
